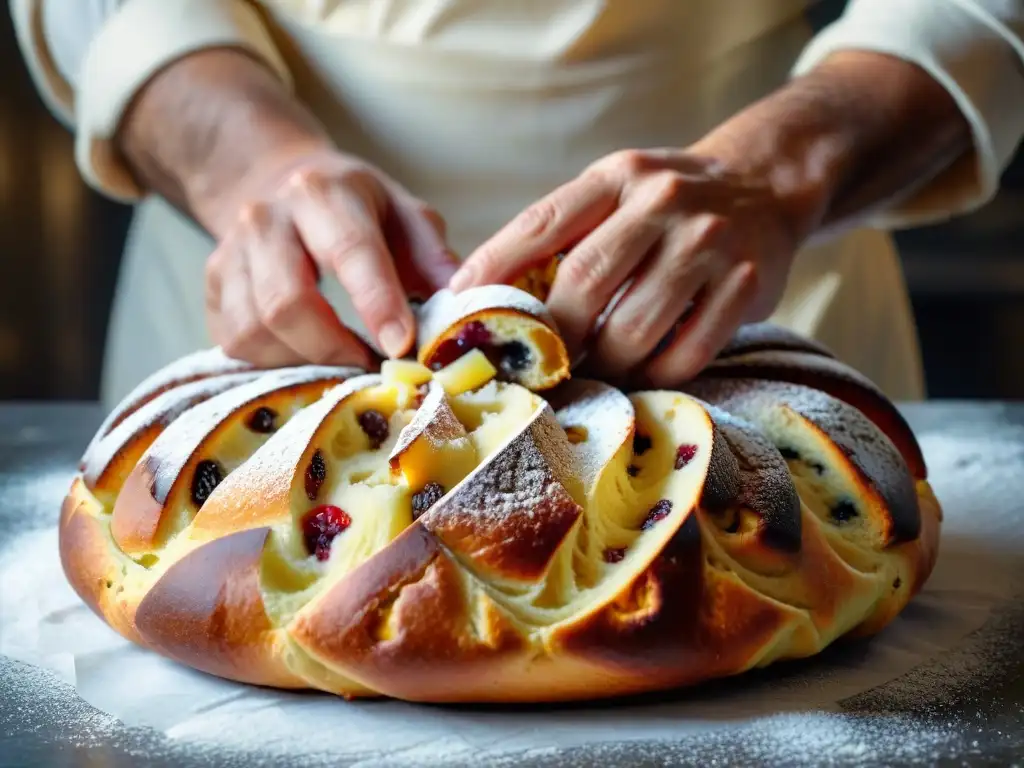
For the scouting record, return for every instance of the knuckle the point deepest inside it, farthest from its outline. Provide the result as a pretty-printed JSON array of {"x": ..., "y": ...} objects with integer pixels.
[
  {"x": 633, "y": 331},
  {"x": 281, "y": 307},
  {"x": 255, "y": 216},
  {"x": 667, "y": 190},
  {"x": 588, "y": 272},
  {"x": 345, "y": 245},
  {"x": 711, "y": 228},
  {"x": 538, "y": 219},
  {"x": 626, "y": 163}
]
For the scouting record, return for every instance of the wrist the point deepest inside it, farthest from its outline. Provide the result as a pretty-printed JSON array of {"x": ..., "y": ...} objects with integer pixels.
[
  {"x": 213, "y": 126},
  {"x": 801, "y": 152}
]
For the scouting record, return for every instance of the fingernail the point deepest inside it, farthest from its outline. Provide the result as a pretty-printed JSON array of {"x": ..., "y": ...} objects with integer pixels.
[
  {"x": 393, "y": 337},
  {"x": 461, "y": 279}
]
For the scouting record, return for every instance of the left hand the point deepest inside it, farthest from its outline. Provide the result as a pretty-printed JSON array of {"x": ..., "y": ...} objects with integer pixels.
[{"x": 697, "y": 251}]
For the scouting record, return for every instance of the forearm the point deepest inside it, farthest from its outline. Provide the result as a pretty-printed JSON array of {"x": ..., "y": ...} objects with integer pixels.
[
  {"x": 196, "y": 129},
  {"x": 859, "y": 132}
]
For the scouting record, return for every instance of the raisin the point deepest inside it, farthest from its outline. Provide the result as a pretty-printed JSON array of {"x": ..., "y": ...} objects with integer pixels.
[
  {"x": 844, "y": 511},
  {"x": 614, "y": 554},
  {"x": 375, "y": 425},
  {"x": 641, "y": 444},
  {"x": 515, "y": 357},
  {"x": 316, "y": 473},
  {"x": 632, "y": 470},
  {"x": 320, "y": 526},
  {"x": 898, "y": 583},
  {"x": 207, "y": 477},
  {"x": 789, "y": 454},
  {"x": 263, "y": 420},
  {"x": 685, "y": 454},
  {"x": 658, "y": 512},
  {"x": 426, "y": 498}
]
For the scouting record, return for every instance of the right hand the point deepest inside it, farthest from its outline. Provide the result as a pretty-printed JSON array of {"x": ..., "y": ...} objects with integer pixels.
[{"x": 325, "y": 213}]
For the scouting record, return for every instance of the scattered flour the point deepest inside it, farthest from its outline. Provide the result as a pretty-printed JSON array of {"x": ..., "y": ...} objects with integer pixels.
[{"x": 889, "y": 696}]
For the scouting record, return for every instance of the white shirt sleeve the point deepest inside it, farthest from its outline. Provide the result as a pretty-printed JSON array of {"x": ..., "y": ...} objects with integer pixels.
[
  {"x": 974, "y": 49},
  {"x": 89, "y": 58}
]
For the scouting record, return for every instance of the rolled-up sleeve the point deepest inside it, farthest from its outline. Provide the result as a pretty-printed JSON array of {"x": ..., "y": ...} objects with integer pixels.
[
  {"x": 90, "y": 58},
  {"x": 974, "y": 49}
]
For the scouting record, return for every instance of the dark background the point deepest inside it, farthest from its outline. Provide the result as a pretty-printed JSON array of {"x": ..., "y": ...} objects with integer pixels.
[{"x": 60, "y": 246}]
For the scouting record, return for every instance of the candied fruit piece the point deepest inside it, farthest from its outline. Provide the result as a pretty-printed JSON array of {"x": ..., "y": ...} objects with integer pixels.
[
  {"x": 316, "y": 473},
  {"x": 614, "y": 554},
  {"x": 685, "y": 454},
  {"x": 375, "y": 425},
  {"x": 641, "y": 444},
  {"x": 426, "y": 498},
  {"x": 263, "y": 420},
  {"x": 320, "y": 526},
  {"x": 657, "y": 513},
  {"x": 207, "y": 477}
]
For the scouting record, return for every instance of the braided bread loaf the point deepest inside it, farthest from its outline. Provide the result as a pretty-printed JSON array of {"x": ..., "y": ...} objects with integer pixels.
[{"x": 477, "y": 527}]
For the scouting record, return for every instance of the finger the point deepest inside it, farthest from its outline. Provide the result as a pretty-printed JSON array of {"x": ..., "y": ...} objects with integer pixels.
[
  {"x": 541, "y": 231},
  {"x": 341, "y": 230},
  {"x": 289, "y": 303},
  {"x": 416, "y": 234},
  {"x": 704, "y": 334},
  {"x": 593, "y": 272},
  {"x": 659, "y": 295},
  {"x": 235, "y": 323}
]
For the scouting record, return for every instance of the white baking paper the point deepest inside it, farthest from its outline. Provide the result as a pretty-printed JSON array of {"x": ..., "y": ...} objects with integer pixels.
[{"x": 980, "y": 563}]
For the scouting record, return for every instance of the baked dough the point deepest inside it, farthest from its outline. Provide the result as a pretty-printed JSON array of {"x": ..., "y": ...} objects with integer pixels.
[{"x": 468, "y": 529}]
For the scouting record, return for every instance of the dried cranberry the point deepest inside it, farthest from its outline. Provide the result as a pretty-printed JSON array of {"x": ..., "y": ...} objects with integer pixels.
[
  {"x": 685, "y": 454},
  {"x": 426, "y": 498},
  {"x": 207, "y": 477},
  {"x": 375, "y": 425},
  {"x": 614, "y": 554},
  {"x": 320, "y": 526},
  {"x": 263, "y": 420},
  {"x": 658, "y": 512},
  {"x": 316, "y": 473},
  {"x": 641, "y": 444},
  {"x": 472, "y": 335}
]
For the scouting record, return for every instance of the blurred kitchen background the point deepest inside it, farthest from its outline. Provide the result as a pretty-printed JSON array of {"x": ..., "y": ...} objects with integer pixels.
[{"x": 60, "y": 247}]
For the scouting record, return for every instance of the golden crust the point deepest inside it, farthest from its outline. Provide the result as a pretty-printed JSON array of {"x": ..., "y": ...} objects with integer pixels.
[{"x": 593, "y": 545}]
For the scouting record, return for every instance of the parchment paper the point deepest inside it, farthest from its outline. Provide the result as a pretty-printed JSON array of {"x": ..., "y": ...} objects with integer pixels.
[{"x": 980, "y": 565}]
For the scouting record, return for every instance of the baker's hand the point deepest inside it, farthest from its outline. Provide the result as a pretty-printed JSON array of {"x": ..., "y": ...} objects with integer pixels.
[
  {"x": 696, "y": 250},
  {"x": 322, "y": 213}
]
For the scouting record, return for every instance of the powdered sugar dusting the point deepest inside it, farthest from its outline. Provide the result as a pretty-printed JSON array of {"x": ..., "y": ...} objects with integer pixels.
[
  {"x": 434, "y": 419},
  {"x": 172, "y": 449},
  {"x": 198, "y": 365},
  {"x": 275, "y": 460},
  {"x": 756, "y": 337},
  {"x": 866, "y": 446},
  {"x": 444, "y": 309},
  {"x": 604, "y": 412},
  {"x": 163, "y": 409}
]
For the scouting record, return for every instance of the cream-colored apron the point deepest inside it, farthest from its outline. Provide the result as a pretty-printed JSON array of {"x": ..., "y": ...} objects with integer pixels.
[{"x": 482, "y": 106}]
